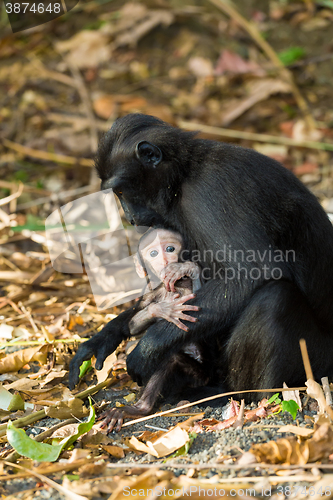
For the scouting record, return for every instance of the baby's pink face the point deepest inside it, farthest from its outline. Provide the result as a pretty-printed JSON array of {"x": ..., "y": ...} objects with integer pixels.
[{"x": 165, "y": 249}]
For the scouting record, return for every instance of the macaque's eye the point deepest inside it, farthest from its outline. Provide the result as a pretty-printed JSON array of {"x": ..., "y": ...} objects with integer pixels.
[
  {"x": 170, "y": 249},
  {"x": 153, "y": 253}
]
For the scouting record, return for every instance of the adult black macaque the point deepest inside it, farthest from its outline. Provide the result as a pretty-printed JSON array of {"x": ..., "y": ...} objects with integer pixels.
[{"x": 263, "y": 242}]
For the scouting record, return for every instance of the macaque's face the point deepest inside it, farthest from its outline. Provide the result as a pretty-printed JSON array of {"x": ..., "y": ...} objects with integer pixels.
[{"x": 163, "y": 250}]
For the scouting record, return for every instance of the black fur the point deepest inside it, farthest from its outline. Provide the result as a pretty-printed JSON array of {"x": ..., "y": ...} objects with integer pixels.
[{"x": 222, "y": 197}]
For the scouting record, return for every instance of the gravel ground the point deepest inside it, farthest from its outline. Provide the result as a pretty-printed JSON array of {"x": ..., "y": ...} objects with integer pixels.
[{"x": 227, "y": 445}]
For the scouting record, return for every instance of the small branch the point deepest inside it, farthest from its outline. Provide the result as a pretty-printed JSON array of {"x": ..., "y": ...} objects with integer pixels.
[
  {"x": 251, "y": 136},
  {"x": 204, "y": 400},
  {"x": 85, "y": 98},
  {"x": 306, "y": 360},
  {"x": 12, "y": 196},
  {"x": 44, "y": 155}
]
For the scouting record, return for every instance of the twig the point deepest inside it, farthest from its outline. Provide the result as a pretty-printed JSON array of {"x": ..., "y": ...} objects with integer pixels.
[
  {"x": 204, "y": 400},
  {"x": 11, "y": 185},
  {"x": 76, "y": 120},
  {"x": 13, "y": 196},
  {"x": 306, "y": 360},
  {"x": 29, "y": 318},
  {"x": 39, "y": 342},
  {"x": 227, "y": 8},
  {"x": 55, "y": 197},
  {"x": 44, "y": 155},
  {"x": 251, "y": 136},
  {"x": 85, "y": 98}
]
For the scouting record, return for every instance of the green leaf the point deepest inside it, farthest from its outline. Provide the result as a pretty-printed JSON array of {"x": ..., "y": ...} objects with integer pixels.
[
  {"x": 24, "y": 445},
  {"x": 86, "y": 365},
  {"x": 16, "y": 403},
  {"x": 43, "y": 452},
  {"x": 291, "y": 55},
  {"x": 291, "y": 407},
  {"x": 274, "y": 399}
]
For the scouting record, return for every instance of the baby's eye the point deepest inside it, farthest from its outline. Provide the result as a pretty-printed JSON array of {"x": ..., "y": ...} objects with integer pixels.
[
  {"x": 153, "y": 253},
  {"x": 170, "y": 249}
]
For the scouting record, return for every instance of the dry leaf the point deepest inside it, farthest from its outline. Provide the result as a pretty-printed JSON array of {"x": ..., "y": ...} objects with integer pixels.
[
  {"x": 65, "y": 431},
  {"x": 149, "y": 480},
  {"x": 86, "y": 49},
  {"x": 257, "y": 91},
  {"x": 94, "y": 469},
  {"x": 114, "y": 451},
  {"x": 200, "y": 67},
  {"x": 107, "y": 367},
  {"x": 23, "y": 384},
  {"x": 291, "y": 451},
  {"x": 291, "y": 395},
  {"x": 73, "y": 408},
  {"x": 315, "y": 391},
  {"x": 15, "y": 361},
  {"x": 164, "y": 445},
  {"x": 298, "y": 431},
  {"x": 139, "y": 29},
  {"x": 233, "y": 63},
  {"x": 54, "y": 374}
]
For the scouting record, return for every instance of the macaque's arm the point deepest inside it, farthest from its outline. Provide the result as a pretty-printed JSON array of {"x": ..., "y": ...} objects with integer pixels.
[
  {"x": 170, "y": 309},
  {"x": 141, "y": 321},
  {"x": 175, "y": 271}
]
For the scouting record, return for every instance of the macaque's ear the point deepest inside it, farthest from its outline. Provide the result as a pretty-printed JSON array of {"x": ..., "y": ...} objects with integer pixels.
[
  {"x": 140, "y": 270},
  {"x": 148, "y": 154}
]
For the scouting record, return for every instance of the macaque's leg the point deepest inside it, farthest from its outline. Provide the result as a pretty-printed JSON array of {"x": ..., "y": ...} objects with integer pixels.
[{"x": 180, "y": 371}]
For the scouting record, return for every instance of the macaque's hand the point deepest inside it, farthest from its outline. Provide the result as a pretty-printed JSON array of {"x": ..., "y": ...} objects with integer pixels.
[
  {"x": 177, "y": 270},
  {"x": 172, "y": 310},
  {"x": 113, "y": 418},
  {"x": 100, "y": 346}
]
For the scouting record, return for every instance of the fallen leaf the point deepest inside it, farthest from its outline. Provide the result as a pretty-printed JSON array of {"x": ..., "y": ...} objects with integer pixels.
[
  {"x": 298, "y": 431},
  {"x": 107, "y": 367},
  {"x": 164, "y": 445},
  {"x": 72, "y": 408},
  {"x": 114, "y": 451},
  {"x": 233, "y": 63},
  {"x": 15, "y": 361},
  {"x": 200, "y": 67},
  {"x": 86, "y": 49},
  {"x": 315, "y": 391},
  {"x": 53, "y": 375},
  {"x": 257, "y": 91},
  {"x": 291, "y": 451}
]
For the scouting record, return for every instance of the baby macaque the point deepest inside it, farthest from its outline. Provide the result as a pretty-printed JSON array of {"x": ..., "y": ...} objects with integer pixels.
[{"x": 157, "y": 259}]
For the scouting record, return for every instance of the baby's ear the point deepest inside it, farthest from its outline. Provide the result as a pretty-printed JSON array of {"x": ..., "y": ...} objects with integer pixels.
[{"x": 140, "y": 270}]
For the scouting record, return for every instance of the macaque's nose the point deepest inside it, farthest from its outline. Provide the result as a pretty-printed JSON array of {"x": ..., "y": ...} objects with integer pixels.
[{"x": 165, "y": 259}]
